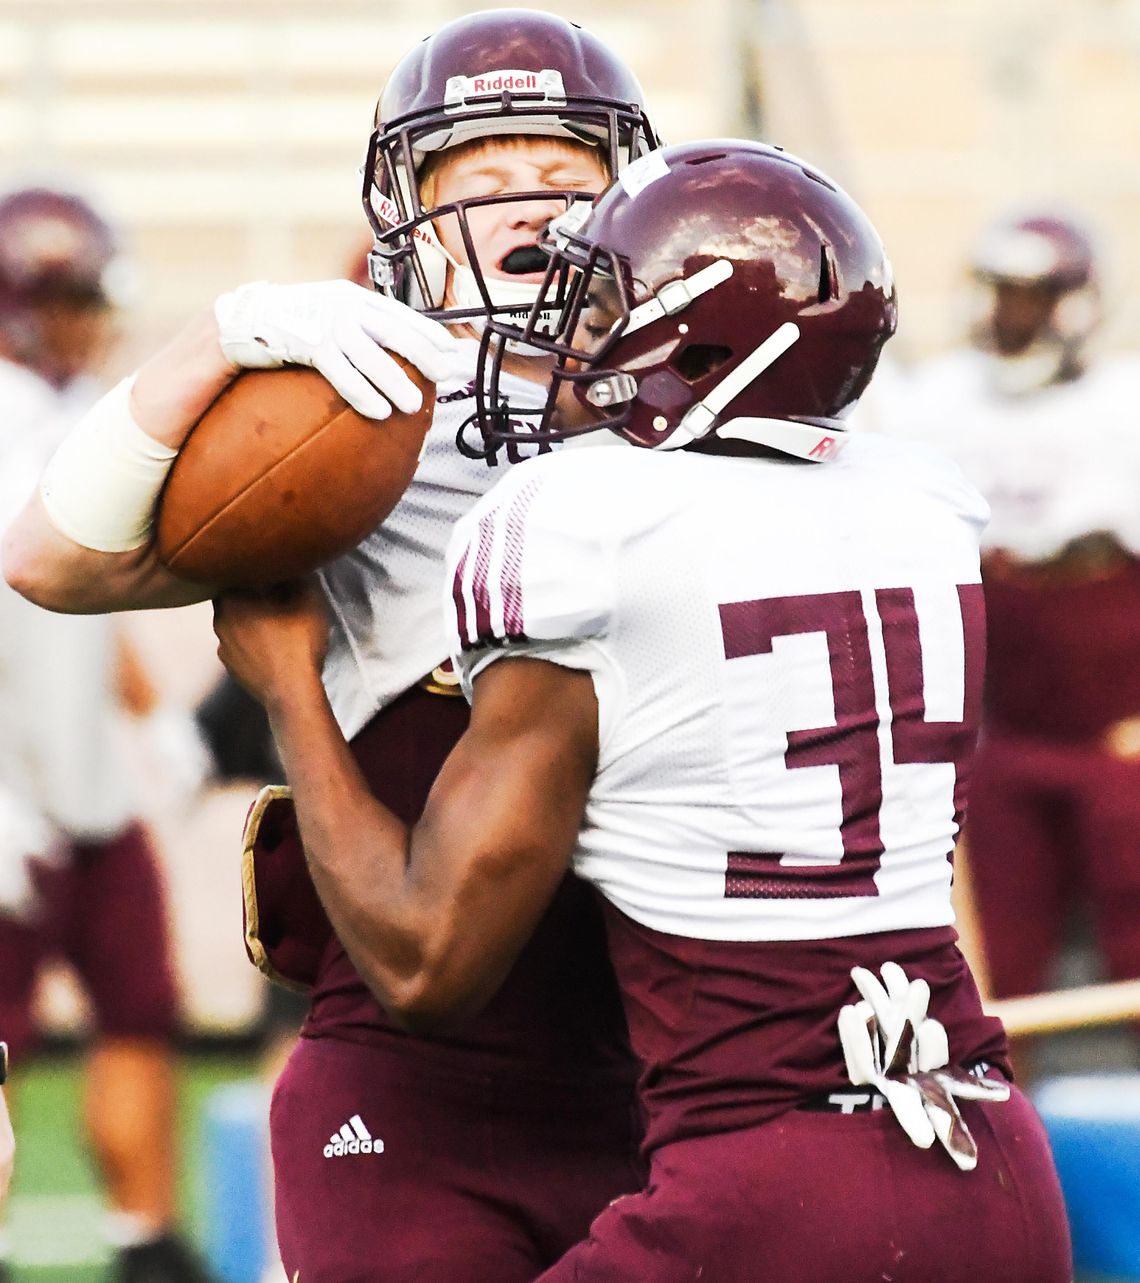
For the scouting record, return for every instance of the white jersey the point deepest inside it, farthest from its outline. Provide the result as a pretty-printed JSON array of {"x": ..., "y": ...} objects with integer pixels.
[
  {"x": 384, "y": 595},
  {"x": 1055, "y": 464},
  {"x": 58, "y": 751},
  {"x": 788, "y": 664}
]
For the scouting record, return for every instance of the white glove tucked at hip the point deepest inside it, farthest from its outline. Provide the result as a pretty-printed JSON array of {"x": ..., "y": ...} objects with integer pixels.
[
  {"x": 341, "y": 330},
  {"x": 891, "y": 1044}
]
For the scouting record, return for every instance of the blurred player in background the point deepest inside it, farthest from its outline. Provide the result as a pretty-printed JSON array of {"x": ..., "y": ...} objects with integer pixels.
[
  {"x": 733, "y": 677},
  {"x": 78, "y": 876},
  {"x": 485, "y": 1153},
  {"x": 1046, "y": 433}
]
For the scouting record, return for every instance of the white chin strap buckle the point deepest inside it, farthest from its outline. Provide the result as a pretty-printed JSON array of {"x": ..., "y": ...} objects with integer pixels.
[{"x": 675, "y": 296}]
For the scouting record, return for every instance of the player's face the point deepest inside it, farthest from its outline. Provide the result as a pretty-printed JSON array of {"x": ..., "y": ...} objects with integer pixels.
[
  {"x": 599, "y": 313},
  {"x": 1021, "y": 313},
  {"x": 68, "y": 339},
  {"x": 505, "y": 234}
]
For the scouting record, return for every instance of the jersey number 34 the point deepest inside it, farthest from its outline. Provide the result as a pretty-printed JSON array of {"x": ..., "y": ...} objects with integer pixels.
[{"x": 852, "y": 742}]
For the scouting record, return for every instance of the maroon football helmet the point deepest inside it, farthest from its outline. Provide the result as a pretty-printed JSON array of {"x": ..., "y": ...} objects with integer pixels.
[
  {"x": 1035, "y": 248},
  {"x": 721, "y": 292},
  {"x": 1036, "y": 298},
  {"x": 499, "y": 72},
  {"x": 60, "y": 276},
  {"x": 53, "y": 246}
]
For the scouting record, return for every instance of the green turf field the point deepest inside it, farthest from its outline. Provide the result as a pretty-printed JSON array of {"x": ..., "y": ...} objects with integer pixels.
[{"x": 54, "y": 1213}]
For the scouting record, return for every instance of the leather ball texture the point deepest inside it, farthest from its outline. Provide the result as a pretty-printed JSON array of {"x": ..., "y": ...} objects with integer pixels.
[{"x": 280, "y": 476}]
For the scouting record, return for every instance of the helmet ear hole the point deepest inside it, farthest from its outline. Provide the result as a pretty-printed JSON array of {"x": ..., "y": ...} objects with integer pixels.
[
  {"x": 828, "y": 275},
  {"x": 698, "y": 360}
]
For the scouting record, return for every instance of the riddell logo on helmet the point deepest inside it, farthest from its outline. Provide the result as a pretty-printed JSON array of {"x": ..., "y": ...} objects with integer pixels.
[
  {"x": 386, "y": 208},
  {"x": 496, "y": 81},
  {"x": 824, "y": 448},
  {"x": 546, "y": 84}
]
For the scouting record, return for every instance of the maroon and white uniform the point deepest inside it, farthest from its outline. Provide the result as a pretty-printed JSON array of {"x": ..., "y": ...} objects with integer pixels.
[
  {"x": 788, "y": 662},
  {"x": 1056, "y": 805},
  {"x": 93, "y": 894},
  {"x": 513, "y": 1133}
]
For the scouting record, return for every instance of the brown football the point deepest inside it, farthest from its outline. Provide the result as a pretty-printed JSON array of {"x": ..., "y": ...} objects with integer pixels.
[{"x": 280, "y": 475}]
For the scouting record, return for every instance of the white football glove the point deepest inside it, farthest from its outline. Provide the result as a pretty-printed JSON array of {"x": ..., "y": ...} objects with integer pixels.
[
  {"x": 26, "y": 838},
  {"x": 891, "y": 1044},
  {"x": 341, "y": 330}
]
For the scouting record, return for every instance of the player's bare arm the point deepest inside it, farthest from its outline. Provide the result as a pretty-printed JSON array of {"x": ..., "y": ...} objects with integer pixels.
[
  {"x": 82, "y": 543},
  {"x": 432, "y": 916},
  {"x": 169, "y": 394}
]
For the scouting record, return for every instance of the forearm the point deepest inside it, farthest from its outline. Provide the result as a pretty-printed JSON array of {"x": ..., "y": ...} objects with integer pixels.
[
  {"x": 357, "y": 850},
  {"x": 433, "y": 917},
  {"x": 179, "y": 383},
  {"x": 56, "y": 570}
]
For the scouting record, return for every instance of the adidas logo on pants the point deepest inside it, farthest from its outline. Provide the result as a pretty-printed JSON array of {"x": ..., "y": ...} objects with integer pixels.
[{"x": 353, "y": 1138}]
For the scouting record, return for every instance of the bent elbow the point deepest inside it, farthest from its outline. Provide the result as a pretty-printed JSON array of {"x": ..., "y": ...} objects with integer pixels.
[
  {"x": 21, "y": 573},
  {"x": 28, "y": 575},
  {"x": 417, "y": 1021},
  {"x": 429, "y": 1005}
]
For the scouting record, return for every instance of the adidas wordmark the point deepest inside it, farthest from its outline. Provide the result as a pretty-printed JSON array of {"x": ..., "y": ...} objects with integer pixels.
[{"x": 353, "y": 1138}]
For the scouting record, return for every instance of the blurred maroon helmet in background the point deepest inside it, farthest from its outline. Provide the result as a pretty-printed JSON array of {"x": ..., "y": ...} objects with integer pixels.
[
  {"x": 1037, "y": 298},
  {"x": 60, "y": 275}
]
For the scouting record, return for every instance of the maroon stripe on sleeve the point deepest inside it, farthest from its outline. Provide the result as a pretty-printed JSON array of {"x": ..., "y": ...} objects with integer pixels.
[
  {"x": 479, "y": 586},
  {"x": 513, "y": 619},
  {"x": 458, "y": 601}
]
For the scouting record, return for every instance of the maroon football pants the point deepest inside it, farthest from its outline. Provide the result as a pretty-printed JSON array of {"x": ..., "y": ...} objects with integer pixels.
[
  {"x": 405, "y": 1168},
  {"x": 103, "y": 909},
  {"x": 1053, "y": 826},
  {"x": 833, "y": 1198}
]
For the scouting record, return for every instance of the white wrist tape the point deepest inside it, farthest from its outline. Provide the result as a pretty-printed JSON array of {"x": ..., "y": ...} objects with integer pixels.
[{"x": 100, "y": 487}]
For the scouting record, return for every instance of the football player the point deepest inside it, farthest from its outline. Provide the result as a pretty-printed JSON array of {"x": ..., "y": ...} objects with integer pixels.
[
  {"x": 1033, "y": 419},
  {"x": 483, "y": 1153},
  {"x": 80, "y": 878},
  {"x": 732, "y": 677}
]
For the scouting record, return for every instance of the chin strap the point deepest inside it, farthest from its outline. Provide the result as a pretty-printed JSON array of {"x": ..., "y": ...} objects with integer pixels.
[
  {"x": 675, "y": 296},
  {"x": 700, "y": 418},
  {"x": 518, "y": 296},
  {"x": 465, "y": 290}
]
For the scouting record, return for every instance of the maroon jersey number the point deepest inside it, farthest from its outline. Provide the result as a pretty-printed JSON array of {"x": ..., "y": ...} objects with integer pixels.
[{"x": 851, "y": 742}]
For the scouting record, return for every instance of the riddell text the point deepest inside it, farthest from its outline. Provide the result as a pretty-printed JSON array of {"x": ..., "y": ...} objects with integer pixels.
[{"x": 493, "y": 84}]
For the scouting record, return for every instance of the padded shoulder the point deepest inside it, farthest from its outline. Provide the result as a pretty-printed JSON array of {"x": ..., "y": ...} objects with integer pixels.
[{"x": 532, "y": 561}]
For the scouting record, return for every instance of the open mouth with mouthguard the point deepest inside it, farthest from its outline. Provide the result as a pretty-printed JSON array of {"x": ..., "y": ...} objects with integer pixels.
[{"x": 523, "y": 260}]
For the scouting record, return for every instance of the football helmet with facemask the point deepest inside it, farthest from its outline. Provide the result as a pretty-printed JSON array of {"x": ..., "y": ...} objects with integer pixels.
[
  {"x": 720, "y": 292},
  {"x": 496, "y": 73},
  {"x": 1035, "y": 299}
]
